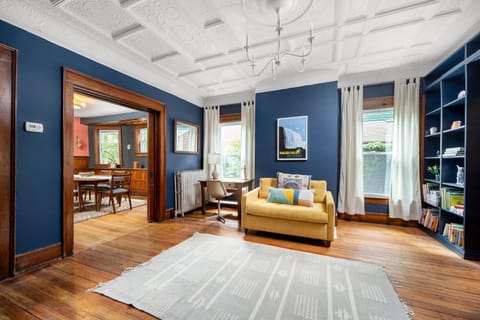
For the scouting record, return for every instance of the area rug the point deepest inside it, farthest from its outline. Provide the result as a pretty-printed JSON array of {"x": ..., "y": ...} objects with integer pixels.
[
  {"x": 90, "y": 212},
  {"x": 212, "y": 277}
]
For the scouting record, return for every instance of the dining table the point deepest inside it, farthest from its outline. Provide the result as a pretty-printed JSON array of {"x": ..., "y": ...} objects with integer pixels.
[{"x": 95, "y": 180}]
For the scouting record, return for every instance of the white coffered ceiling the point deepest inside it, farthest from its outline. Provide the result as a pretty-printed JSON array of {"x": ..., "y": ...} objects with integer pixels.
[{"x": 194, "y": 48}]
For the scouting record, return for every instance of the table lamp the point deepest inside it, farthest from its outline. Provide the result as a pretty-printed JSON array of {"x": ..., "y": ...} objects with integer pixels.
[{"x": 214, "y": 158}]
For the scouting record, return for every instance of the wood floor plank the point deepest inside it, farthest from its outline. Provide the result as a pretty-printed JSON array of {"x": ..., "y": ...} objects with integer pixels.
[{"x": 434, "y": 282}]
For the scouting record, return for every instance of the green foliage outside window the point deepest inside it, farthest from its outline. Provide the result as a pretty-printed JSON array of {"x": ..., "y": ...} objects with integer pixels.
[
  {"x": 231, "y": 160},
  {"x": 109, "y": 146}
]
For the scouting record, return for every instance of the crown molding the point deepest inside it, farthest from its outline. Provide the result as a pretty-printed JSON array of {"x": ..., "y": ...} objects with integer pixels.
[{"x": 54, "y": 26}]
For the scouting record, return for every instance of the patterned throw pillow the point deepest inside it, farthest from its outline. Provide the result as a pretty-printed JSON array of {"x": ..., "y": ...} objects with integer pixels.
[
  {"x": 291, "y": 196},
  {"x": 293, "y": 181}
]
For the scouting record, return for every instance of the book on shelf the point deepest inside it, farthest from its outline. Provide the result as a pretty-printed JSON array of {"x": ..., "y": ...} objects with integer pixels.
[
  {"x": 454, "y": 233},
  {"x": 431, "y": 193},
  {"x": 430, "y": 218},
  {"x": 452, "y": 197}
]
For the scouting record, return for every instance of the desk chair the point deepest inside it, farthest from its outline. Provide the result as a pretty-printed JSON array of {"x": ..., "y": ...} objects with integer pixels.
[
  {"x": 217, "y": 191},
  {"x": 119, "y": 186}
]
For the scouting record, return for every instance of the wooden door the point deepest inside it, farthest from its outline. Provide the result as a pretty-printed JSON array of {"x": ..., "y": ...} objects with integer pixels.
[{"x": 8, "y": 67}]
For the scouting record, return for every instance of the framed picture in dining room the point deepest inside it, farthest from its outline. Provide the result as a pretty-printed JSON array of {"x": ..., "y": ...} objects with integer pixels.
[{"x": 292, "y": 138}]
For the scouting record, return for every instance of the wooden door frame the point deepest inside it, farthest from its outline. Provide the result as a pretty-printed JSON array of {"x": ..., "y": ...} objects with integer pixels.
[
  {"x": 8, "y": 111},
  {"x": 74, "y": 81}
]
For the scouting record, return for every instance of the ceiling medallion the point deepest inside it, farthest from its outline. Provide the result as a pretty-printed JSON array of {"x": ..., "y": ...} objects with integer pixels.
[{"x": 283, "y": 12}]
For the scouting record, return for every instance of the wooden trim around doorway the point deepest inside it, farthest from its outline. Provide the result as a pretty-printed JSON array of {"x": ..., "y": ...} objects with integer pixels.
[
  {"x": 8, "y": 110},
  {"x": 74, "y": 81}
]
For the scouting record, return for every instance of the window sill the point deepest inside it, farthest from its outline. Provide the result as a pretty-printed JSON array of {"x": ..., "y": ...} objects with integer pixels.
[{"x": 375, "y": 196}]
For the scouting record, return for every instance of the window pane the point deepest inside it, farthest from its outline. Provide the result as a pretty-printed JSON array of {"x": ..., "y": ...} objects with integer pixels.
[
  {"x": 377, "y": 150},
  {"x": 230, "y": 149},
  {"x": 143, "y": 141},
  {"x": 109, "y": 146}
]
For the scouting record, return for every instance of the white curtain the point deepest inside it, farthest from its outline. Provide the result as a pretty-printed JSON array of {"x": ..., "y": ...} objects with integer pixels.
[
  {"x": 350, "y": 195},
  {"x": 247, "y": 153},
  {"x": 405, "y": 200},
  {"x": 211, "y": 135}
]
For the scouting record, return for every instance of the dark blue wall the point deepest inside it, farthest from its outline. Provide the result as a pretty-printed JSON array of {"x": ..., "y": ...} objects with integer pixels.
[
  {"x": 39, "y": 156},
  {"x": 230, "y": 108},
  {"x": 320, "y": 103},
  {"x": 378, "y": 90}
]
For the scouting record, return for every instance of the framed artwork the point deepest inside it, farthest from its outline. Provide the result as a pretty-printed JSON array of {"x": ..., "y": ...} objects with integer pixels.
[
  {"x": 292, "y": 138},
  {"x": 186, "y": 137}
]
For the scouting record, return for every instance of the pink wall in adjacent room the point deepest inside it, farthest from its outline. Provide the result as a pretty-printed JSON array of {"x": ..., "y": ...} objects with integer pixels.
[{"x": 81, "y": 131}]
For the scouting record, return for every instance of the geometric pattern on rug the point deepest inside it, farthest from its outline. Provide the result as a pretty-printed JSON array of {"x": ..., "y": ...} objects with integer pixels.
[
  {"x": 105, "y": 208},
  {"x": 212, "y": 277}
]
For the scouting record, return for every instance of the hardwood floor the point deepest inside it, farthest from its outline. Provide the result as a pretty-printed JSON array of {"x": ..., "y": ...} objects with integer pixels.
[{"x": 434, "y": 282}]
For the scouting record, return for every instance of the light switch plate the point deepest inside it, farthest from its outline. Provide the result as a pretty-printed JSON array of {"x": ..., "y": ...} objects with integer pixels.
[{"x": 33, "y": 127}]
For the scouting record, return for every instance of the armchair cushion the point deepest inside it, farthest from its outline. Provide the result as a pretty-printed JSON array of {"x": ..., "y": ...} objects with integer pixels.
[
  {"x": 315, "y": 214},
  {"x": 320, "y": 187},
  {"x": 265, "y": 184}
]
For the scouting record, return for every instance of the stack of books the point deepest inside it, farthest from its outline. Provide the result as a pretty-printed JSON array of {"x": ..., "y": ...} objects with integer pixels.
[
  {"x": 429, "y": 219},
  {"x": 454, "y": 233},
  {"x": 454, "y": 152}
]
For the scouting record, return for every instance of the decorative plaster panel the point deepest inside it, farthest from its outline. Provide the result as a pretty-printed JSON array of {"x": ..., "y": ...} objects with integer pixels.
[{"x": 104, "y": 14}]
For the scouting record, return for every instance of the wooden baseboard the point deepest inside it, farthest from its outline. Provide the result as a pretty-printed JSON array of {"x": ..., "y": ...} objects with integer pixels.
[
  {"x": 377, "y": 218},
  {"x": 170, "y": 213},
  {"x": 32, "y": 259}
]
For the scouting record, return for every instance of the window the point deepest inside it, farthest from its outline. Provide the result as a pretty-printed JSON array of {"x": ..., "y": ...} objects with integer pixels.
[
  {"x": 230, "y": 149},
  {"x": 377, "y": 151},
  {"x": 141, "y": 134},
  {"x": 108, "y": 148}
]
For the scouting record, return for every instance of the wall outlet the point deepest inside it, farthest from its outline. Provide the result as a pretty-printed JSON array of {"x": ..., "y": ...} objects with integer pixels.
[{"x": 33, "y": 127}]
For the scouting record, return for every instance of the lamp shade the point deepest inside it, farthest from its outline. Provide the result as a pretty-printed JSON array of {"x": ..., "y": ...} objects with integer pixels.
[{"x": 213, "y": 158}]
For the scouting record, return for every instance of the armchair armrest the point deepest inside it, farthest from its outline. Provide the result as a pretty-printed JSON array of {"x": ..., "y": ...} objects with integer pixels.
[
  {"x": 249, "y": 196},
  {"x": 330, "y": 205}
]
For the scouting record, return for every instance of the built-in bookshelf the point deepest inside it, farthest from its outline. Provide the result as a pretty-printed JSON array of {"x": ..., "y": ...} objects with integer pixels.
[{"x": 451, "y": 211}]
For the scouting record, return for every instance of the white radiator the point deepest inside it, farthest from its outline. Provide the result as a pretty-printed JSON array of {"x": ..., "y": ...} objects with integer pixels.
[{"x": 188, "y": 194}]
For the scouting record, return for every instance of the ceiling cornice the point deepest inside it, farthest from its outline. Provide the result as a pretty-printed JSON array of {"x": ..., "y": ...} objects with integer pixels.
[{"x": 30, "y": 15}]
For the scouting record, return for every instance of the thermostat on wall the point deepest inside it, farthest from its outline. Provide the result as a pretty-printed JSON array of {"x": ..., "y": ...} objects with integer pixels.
[{"x": 33, "y": 127}]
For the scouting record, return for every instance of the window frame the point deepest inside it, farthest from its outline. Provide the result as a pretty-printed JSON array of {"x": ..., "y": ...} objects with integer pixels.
[
  {"x": 98, "y": 128},
  {"x": 375, "y": 104},
  {"x": 230, "y": 119},
  {"x": 138, "y": 128}
]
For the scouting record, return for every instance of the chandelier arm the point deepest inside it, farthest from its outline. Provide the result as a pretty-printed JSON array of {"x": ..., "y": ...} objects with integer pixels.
[
  {"x": 297, "y": 69},
  {"x": 270, "y": 62},
  {"x": 298, "y": 55}
]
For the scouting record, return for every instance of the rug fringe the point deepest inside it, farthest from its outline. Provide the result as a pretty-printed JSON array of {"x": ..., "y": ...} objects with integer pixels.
[
  {"x": 410, "y": 312},
  {"x": 96, "y": 287}
]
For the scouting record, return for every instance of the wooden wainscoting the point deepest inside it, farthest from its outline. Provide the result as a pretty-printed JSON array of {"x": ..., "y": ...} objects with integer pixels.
[
  {"x": 139, "y": 182},
  {"x": 80, "y": 163}
]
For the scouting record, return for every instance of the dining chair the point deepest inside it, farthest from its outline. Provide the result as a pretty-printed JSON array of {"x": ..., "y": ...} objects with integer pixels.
[
  {"x": 119, "y": 187},
  {"x": 217, "y": 191},
  {"x": 87, "y": 187}
]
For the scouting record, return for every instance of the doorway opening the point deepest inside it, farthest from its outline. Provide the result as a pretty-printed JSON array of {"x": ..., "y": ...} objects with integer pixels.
[
  {"x": 75, "y": 83},
  {"x": 109, "y": 139}
]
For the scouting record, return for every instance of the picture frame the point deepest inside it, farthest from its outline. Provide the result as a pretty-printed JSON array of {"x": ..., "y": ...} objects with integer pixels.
[
  {"x": 292, "y": 138},
  {"x": 186, "y": 137}
]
